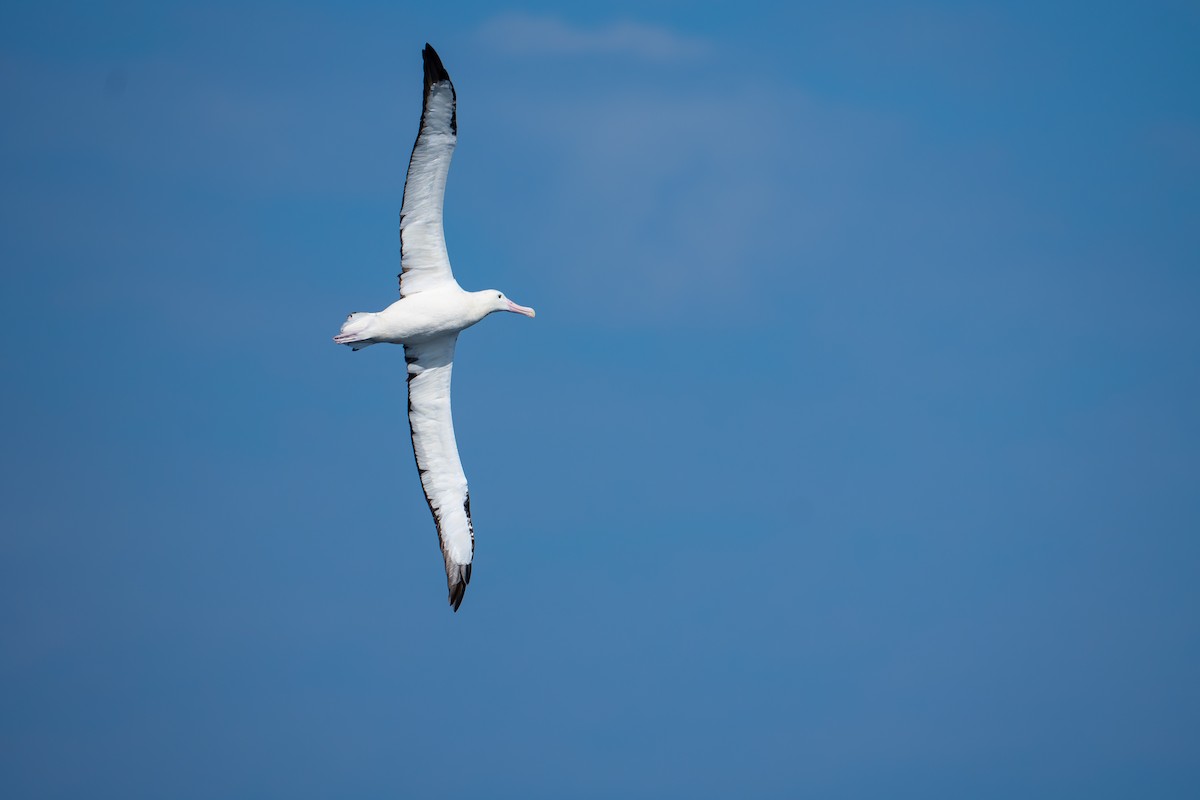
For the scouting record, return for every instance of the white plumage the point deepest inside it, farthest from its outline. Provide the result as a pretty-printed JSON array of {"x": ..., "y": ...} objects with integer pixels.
[{"x": 432, "y": 310}]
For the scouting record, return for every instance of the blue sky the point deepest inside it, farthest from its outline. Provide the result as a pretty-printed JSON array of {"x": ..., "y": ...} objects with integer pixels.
[{"x": 853, "y": 453}]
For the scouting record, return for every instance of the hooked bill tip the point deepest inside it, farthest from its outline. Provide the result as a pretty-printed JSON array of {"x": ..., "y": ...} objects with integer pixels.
[{"x": 516, "y": 309}]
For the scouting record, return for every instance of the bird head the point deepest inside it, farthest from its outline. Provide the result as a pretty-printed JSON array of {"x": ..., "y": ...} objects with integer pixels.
[{"x": 497, "y": 301}]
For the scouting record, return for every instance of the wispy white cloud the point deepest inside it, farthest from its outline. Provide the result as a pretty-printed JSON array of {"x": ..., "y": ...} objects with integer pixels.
[{"x": 528, "y": 34}]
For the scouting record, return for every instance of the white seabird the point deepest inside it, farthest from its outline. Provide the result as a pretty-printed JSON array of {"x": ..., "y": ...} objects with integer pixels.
[{"x": 427, "y": 319}]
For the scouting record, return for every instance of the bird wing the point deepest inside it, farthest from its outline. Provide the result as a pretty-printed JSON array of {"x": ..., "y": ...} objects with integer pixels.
[
  {"x": 424, "y": 264},
  {"x": 442, "y": 477}
]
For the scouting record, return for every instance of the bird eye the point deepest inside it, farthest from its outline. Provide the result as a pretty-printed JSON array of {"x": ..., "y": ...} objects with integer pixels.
[{"x": 499, "y": 296}]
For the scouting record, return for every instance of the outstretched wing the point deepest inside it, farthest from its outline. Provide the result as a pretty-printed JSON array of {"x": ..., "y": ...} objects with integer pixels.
[
  {"x": 442, "y": 477},
  {"x": 424, "y": 264}
]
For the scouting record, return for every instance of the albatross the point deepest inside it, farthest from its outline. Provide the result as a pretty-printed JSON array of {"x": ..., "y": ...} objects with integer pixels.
[{"x": 432, "y": 310}]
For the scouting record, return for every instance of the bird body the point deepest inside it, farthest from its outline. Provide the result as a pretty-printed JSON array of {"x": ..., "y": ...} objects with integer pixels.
[
  {"x": 427, "y": 319},
  {"x": 424, "y": 316}
]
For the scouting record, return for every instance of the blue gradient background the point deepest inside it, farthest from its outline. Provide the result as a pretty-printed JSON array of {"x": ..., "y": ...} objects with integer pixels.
[{"x": 853, "y": 453}]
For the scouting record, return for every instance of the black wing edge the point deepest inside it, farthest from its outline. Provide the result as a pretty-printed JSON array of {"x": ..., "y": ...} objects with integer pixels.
[
  {"x": 458, "y": 588},
  {"x": 434, "y": 71}
]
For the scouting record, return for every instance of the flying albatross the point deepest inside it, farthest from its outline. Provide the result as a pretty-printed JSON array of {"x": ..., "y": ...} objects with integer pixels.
[{"x": 432, "y": 310}]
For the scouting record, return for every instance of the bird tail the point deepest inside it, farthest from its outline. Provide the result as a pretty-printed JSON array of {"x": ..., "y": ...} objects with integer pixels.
[{"x": 354, "y": 330}]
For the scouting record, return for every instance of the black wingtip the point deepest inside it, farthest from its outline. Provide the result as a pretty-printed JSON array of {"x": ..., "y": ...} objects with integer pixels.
[
  {"x": 434, "y": 71},
  {"x": 459, "y": 590}
]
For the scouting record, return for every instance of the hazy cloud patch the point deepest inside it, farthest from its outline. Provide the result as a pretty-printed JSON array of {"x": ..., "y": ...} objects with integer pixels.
[
  {"x": 672, "y": 203},
  {"x": 527, "y": 34}
]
